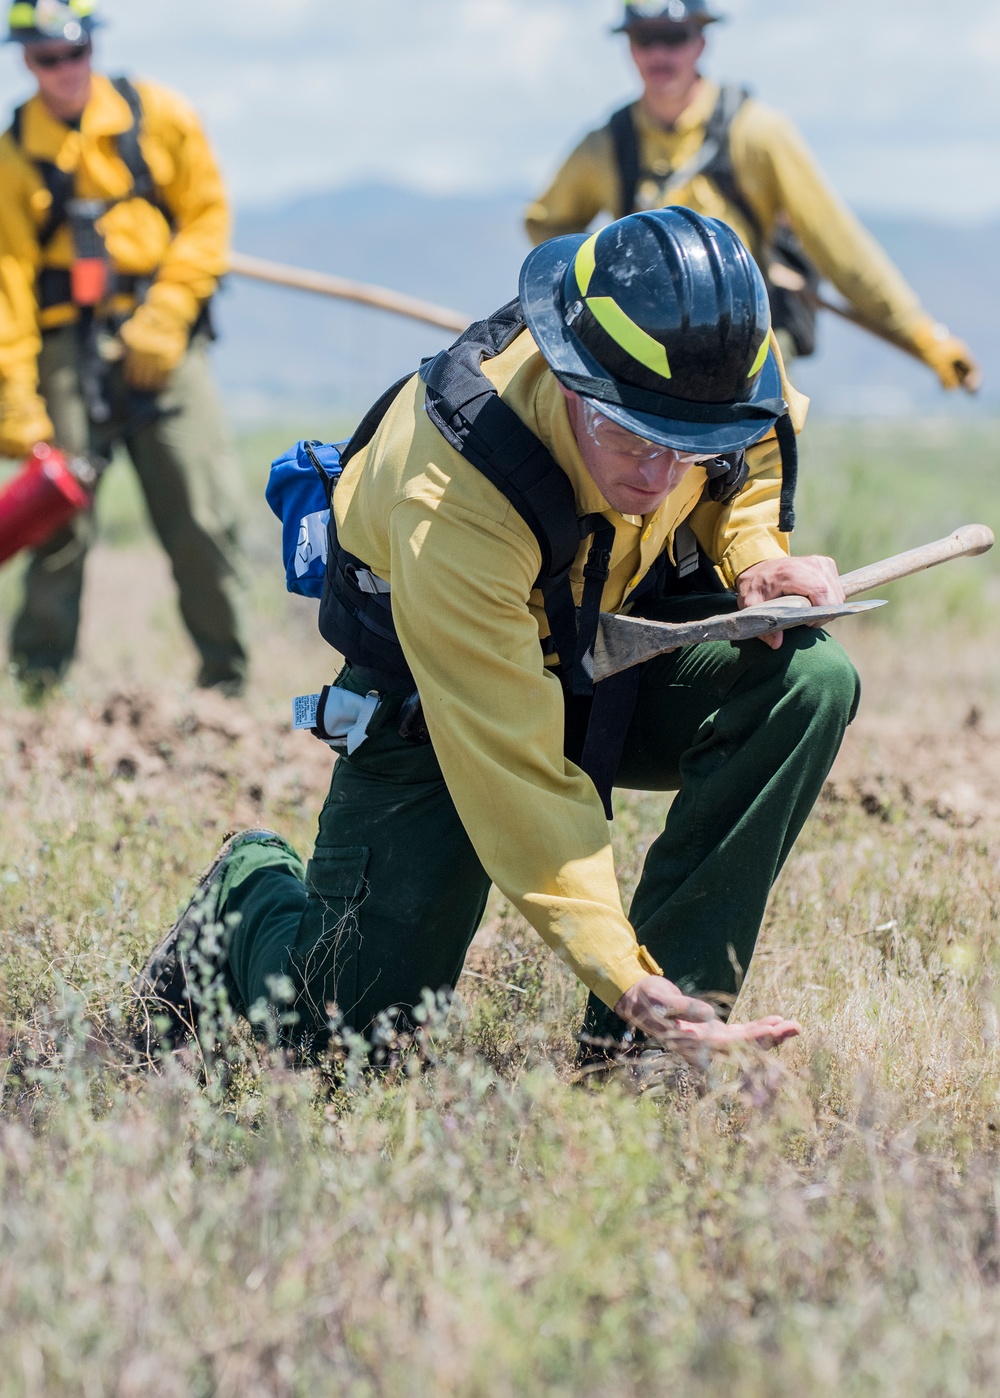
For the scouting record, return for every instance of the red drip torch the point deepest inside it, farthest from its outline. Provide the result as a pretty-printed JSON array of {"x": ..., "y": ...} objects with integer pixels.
[{"x": 45, "y": 494}]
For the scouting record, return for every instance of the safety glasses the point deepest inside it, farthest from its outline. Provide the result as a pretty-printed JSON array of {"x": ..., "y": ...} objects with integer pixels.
[
  {"x": 56, "y": 60},
  {"x": 620, "y": 442},
  {"x": 674, "y": 36}
]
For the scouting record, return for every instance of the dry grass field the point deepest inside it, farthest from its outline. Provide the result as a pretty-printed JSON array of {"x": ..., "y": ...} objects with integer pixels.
[{"x": 825, "y": 1220}]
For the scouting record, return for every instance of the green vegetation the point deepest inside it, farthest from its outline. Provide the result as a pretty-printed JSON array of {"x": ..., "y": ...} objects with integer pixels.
[{"x": 821, "y": 1221}]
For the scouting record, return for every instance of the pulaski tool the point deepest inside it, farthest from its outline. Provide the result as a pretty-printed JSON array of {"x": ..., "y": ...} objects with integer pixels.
[{"x": 624, "y": 641}]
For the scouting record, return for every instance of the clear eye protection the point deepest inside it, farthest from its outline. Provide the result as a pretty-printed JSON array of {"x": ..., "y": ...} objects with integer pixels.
[{"x": 610, "y": 437}]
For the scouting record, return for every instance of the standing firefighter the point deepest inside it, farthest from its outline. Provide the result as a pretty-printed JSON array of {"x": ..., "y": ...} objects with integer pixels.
[
  {"x": 716, "y": 150},
  {"x": 113, "y": 233},
  {"x": 574, "y": 451}
]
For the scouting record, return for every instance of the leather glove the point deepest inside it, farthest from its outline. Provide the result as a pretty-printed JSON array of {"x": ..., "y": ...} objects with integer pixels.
[
  {"x": 24, "y": 421},
  {"x": 949, "y": 357},
  {"x": 155, "y": 340}
]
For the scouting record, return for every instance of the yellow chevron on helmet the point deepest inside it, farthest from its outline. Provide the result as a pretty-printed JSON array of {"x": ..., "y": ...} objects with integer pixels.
[
  {"x": 631, "y": 337},
  {"x": 762, "y": 354},
  {"x": 585, "y": 264},
  {"x": 616, "y": 322}
]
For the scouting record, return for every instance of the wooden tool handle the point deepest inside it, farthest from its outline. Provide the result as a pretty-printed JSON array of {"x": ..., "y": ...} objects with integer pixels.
[
  {"x": 260, "y": 270},
  {"x": 966, "y": 542}
]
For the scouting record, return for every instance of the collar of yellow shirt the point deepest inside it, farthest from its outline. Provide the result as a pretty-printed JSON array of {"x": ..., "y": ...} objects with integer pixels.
[
  {"x": 45, "y": 137},
  {"x": 696, "y": 114}
]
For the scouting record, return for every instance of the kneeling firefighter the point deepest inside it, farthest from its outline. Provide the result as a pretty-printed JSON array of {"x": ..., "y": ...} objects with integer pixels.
[
  {"x": 620, "y": 437},
  {"x": 114, "y": 231}
]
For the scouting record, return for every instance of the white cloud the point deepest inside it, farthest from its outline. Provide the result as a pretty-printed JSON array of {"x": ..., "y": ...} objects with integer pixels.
[{"x": 900, "y": 98}]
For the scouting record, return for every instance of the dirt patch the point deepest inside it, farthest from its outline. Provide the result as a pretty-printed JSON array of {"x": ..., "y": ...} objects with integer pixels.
[
  {"x": 948, "y": 771},
  {"x": 211, "y": 747}
]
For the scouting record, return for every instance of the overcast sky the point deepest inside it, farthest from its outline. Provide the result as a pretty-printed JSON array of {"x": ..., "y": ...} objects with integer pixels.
[{"x": 899, "y": 98}]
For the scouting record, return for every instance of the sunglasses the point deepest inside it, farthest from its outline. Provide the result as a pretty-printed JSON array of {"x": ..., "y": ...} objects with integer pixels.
[
  {"x": 56, "y": 60},
  {"x": 677, "y": 36}
]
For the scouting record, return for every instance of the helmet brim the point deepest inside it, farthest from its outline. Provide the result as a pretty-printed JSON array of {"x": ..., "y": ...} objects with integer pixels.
[
  {"x": 640, "y": 21},
  {"x": 703, "y": 20},
  {"x": 541, "y": 295},
  {"x": 27, "y": 38}
]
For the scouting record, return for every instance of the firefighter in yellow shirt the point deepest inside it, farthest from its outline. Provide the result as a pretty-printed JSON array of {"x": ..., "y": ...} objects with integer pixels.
[
  {"x": 686, "y": 141},
  {"x": 114, "y": 231},
  {"x": 549, "y": 465}
]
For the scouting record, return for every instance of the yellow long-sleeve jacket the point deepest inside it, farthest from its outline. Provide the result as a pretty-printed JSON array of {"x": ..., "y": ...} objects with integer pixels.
[
  {"x": 185, "y": 261},
  {"x": 461, "y": 565},
  {"x": 779, "y": 179}
]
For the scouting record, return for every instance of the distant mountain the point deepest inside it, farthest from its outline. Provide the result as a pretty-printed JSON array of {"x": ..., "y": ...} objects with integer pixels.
[
  {"x": 281, "y": 348},
  {"x": 284, "y": 352}
]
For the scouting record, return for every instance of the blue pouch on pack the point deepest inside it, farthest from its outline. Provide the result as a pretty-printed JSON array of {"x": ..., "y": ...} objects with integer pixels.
[{"x": 299, "y": 490}]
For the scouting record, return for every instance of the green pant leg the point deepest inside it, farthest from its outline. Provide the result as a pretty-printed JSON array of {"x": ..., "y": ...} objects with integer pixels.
[
  {"x": 392, "y": 896},
  {"x": 265, "y": 908},
  {"x": 747, "y": 735},
  {"x": 190, "y": 476},
  {"x": 44, "y": 634}
]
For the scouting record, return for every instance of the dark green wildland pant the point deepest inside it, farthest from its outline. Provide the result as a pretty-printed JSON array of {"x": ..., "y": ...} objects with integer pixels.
[
  {"x": 394, "y": 892},
  {"x": 189, "y": 476}
]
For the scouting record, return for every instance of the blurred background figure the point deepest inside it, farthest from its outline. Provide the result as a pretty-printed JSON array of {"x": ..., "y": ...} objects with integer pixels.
[
  {"x": 114, "y": 230},
  {"x": 689, "y": 141}
]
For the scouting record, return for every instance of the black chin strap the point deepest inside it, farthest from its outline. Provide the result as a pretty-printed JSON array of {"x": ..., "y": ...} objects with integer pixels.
[{"x": 785, "y": 433}]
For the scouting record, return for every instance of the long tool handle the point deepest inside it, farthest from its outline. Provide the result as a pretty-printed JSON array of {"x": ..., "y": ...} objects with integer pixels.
[
  {"x": 967, "y": 542},
  {"x": 258, "y": 269},
  {"x": 790, "y": 280}
]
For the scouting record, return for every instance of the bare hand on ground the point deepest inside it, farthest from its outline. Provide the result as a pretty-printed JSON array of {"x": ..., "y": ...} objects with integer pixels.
[
  {"x": 690, "y": 1027},
  {"x": 813, "y": 576}
]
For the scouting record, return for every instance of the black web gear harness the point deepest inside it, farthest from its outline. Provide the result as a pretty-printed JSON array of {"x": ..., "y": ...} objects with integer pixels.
[
  {"x": 355, "y": 614},
  {"x": 54, "y": 282},
  {"x": 469, "y": 413},
  {"x": 790, "y": 310}
]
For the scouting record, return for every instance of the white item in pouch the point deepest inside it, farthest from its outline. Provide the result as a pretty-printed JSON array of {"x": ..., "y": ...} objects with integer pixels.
[
  {"x": 344, "y": 720},
  {"x": 304, "y": 707}
]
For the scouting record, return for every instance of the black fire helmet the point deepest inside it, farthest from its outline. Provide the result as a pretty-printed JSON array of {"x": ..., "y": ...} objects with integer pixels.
[{"x": 662, "y": 318}]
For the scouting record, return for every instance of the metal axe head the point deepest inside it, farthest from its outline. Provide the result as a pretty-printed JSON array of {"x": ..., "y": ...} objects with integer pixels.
[{"x": 623, "y": 641}]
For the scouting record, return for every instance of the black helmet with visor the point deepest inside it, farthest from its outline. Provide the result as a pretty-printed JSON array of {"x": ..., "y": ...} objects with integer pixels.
[{"x": 662, "y": 320}]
